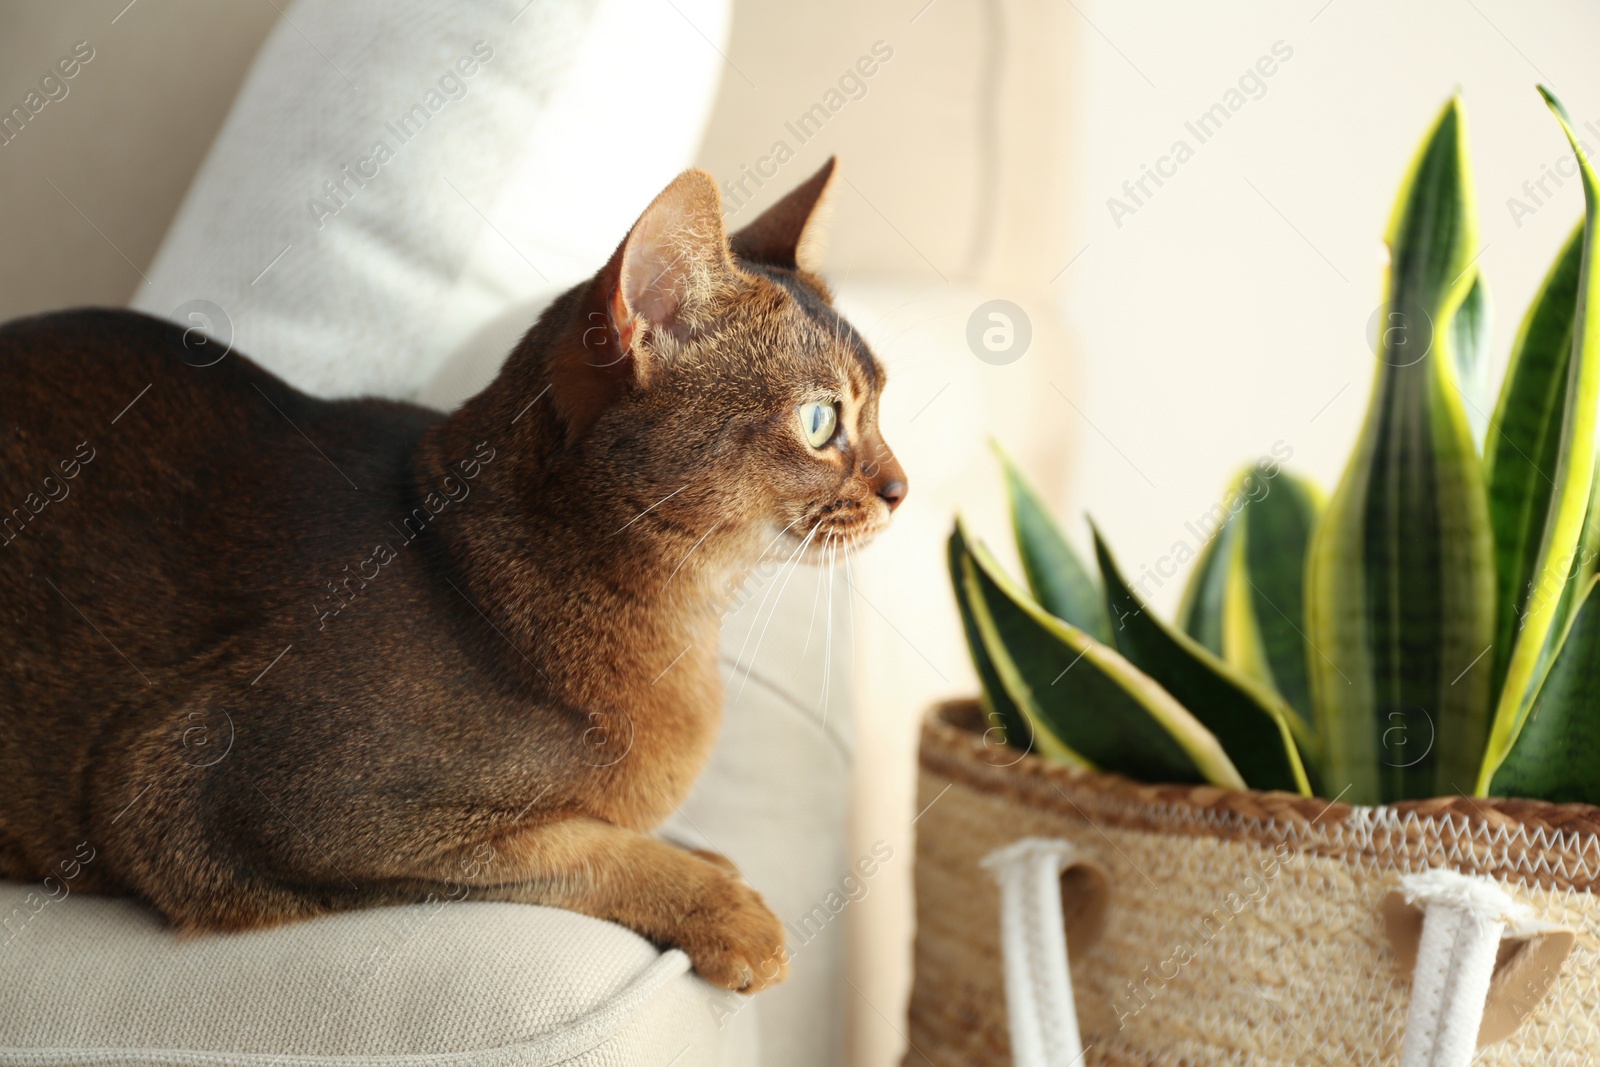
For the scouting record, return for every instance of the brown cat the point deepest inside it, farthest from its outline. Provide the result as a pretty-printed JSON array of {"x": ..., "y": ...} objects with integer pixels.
[{"x": 266, "y": 656}]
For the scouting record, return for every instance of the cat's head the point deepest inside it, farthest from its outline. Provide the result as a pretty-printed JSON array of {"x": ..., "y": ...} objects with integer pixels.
[{"x": 716, "y": 370}]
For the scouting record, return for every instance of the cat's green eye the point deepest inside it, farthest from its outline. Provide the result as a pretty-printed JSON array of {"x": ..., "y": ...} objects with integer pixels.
[{"x": 817, "y": 422}]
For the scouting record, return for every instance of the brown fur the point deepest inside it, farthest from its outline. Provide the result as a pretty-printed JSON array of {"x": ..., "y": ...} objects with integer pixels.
[{"x": 272, "y": 656}]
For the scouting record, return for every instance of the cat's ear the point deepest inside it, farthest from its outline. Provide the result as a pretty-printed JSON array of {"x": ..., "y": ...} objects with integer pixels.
[
  {"x": 672, "y": 260},
  {"x": 789, "y": 233},
  {"x": 653, "y": 291}
]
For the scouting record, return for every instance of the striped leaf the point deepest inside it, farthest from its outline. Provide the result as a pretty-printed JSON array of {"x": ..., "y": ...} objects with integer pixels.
[
  {"x": 1249, "y": 720},
  {"x": 998, "y": 707},
  {"x": 1569, "y": 498},
  {"x": 1264, "y": 631},
  {"x": 1084, "y": 700},
  {"x": 1200, "y": 613},
  {"x": 1470, "y": 345},
  {"x": 1584, "y": 567},
  {"x": 1400, "y": 582},
  {"x": 1523, "y": 448},
  {"x": 1556, "y": 755},
  {"x": 1060, "y": 582}
]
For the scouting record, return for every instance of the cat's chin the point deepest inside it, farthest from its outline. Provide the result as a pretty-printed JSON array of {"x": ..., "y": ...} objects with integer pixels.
[
  {"x": 831, "y": 542},
  {"x": 818, "y": 537}
]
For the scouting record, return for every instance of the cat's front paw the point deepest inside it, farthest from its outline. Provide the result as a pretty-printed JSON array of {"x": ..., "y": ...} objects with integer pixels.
[{"x": 733, "y": 937}]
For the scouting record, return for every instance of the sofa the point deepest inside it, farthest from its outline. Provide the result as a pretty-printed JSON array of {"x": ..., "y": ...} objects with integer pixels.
[{"x": 222, "y": 170}]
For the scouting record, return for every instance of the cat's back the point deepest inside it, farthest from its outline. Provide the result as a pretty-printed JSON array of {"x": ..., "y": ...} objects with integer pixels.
[
  {"x": 159, "y": 492},
  {"x": 87, "y": 376},
  {"x": 178, "y": 405},
  {"x": 71, "y": 372}
]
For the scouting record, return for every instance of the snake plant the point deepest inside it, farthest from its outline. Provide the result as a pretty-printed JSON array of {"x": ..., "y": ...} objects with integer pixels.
[{"x": 1432, "y": 627}]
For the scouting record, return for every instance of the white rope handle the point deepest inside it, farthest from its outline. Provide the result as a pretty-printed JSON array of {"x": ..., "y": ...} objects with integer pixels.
[
  {"x": 1463, "y": 920},
  {"x": 1033, "y": 942}
]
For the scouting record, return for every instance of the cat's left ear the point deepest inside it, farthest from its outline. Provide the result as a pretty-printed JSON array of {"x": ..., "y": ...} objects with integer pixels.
[
  {"x": 789, "y": 233},
  {"x": 672, "y": 261},
  {"x": 656, "y": 289}
]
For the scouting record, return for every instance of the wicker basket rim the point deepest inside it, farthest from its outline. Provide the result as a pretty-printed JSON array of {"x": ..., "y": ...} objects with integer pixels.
[{"x": 953, "y": 745}]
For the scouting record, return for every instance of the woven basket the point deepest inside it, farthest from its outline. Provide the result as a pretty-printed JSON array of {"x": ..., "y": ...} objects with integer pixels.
[{"x": 1243, "y": 927}]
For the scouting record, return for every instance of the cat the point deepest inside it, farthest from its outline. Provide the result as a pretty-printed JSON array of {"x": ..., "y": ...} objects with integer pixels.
[{"x": 266, "y": 656}]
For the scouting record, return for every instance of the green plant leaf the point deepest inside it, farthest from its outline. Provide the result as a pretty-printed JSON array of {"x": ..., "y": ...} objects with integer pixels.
[
  {"x": 1523, "y": 449},
  {"x": 1584, "y": 567},
  {"x": 1400, "y": 583},
  {"x": 1200, "y": 613},
  {"x": 1265, "y": 608},
  {"x": 998, "y": 707},
  {"x": 1569, "y": 501},
  {"x": 1248, "y": 720},
  {"x": 1469, "y": 343},
  {"x": 1082, "y": 695},
  {"x": 1556, "y": 755},
  {"x": 1060, "y": 582}
]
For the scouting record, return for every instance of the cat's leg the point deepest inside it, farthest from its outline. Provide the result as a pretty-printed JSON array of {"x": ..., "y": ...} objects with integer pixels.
[
  {"x": 689, "y": 900},
  {"x": 213, "y": 848},
  {"x": 674, "y": 897}
]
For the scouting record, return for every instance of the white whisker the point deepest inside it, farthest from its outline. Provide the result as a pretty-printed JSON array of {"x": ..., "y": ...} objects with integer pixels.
[
  {"x": 816, "y": 599},
  {"x": 774, "y": 541},
  {"x": 764, "y": 597},
  {"x": 689, "y": 553},
  {"x": 651, "y": 508},
  {"x": 827, "y": 637},
  {"x": 850, "y": 585},
  {"x": 794, "y": 565}
]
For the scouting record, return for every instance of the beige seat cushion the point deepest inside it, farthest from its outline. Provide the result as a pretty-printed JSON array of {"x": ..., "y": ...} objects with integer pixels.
[{"x": 90, "y": 980}]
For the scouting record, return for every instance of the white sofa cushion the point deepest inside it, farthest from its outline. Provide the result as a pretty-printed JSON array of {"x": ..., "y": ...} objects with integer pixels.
[
  {"x": 520, "y": 175},
  {"x": 91, "y": 980}
]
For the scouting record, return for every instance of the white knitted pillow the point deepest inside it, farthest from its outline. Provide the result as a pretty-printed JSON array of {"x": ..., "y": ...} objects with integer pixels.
[{"x": 394, "y": 173}]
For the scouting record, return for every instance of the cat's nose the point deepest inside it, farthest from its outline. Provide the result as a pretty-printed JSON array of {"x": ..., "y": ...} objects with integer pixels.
[
  {"x": 889, "y": 479},
  {"x": 884, "y": 473}
]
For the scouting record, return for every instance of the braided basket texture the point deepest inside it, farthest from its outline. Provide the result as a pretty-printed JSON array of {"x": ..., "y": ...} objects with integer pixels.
[{"x": 1243, "y": 927}]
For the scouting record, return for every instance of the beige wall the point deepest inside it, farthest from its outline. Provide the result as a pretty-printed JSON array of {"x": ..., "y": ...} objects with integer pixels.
[
  {"x": 954, "y": 150},
  {"x": 121, "y": 145},
  {"x": 911, "y": 211}
]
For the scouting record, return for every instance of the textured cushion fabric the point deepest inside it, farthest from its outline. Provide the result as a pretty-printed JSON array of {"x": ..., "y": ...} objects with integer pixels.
[
  {"x": 91, "y": 980},
  {"x": 393, "y": 172}
]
